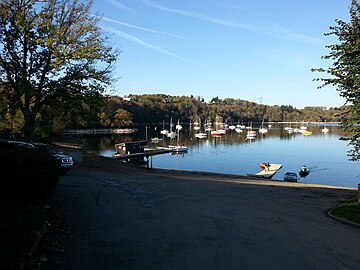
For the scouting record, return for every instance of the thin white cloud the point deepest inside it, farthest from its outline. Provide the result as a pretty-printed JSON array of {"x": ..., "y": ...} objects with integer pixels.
[
  {"x": 139, "y": 27},
  {"x": 272, "y": 30},
  {"x": 119, "y": 5},
  {"x": 140, "y": 42}
]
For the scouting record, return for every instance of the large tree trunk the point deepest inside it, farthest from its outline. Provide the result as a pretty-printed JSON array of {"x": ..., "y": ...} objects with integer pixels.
[{"x": 29, "y": 126}]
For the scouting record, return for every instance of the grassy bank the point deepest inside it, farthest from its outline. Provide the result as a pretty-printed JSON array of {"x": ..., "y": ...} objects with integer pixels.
[{"x": 348, "y": 210}]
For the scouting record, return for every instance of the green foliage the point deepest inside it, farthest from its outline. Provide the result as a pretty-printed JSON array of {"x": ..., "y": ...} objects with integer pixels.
[
  {"x": 157, "y": 108},
  {"x": 122, "y": 118},
  {"x": 52, "y": 53},
  {"x": 345, "y": 75}
]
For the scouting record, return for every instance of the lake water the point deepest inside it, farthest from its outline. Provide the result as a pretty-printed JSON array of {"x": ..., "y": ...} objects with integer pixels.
[{"x": 232, "y": 153}]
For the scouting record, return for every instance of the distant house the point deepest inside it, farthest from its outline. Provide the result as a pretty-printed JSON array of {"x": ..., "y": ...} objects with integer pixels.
[{"x": 126, "y": 98}]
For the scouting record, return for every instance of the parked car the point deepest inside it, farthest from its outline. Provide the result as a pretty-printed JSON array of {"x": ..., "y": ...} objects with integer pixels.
[
  {"x": 290, "y": 177},
  {"x": 18, "y": 143},
  {"x": 66, "y": 161}
]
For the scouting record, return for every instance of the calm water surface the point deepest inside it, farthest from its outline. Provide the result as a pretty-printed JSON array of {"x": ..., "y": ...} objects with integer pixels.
[{"x": 232, "y": 153}]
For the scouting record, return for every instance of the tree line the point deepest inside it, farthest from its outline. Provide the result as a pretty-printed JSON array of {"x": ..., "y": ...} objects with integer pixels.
[
  {"x": 100, "y": 111},
  {"x": 155, "y": 108}
]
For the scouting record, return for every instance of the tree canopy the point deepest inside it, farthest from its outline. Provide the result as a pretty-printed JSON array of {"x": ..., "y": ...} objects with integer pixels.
[
  {"x": 51, "y": 52},
  {"x": 345, "y": 74}
]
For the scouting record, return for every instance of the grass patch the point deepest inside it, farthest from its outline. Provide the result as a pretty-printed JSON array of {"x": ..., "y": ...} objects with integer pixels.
[{"x": 349, "y": 210}]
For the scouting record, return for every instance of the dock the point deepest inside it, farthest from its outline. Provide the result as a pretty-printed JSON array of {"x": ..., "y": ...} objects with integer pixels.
[
  {"x": 268, "y": 173},
  {"x": 135, "y": 152},
  {"x": 147, "y": 153}
]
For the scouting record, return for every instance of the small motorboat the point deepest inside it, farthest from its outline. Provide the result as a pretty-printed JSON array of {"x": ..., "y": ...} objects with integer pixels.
[
  {"x": 178, "y": 148},
  {"x": 156, "y": 139},
  {"x": 201, "y": 135},
  {"x": 304, "y": 171}
]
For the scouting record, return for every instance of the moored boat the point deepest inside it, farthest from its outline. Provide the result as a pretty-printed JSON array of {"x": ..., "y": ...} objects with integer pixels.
[
  {"x": 178, "y": 148},
  {"x": 156, "y": 139},
  {"x": 267, "y": 170}
]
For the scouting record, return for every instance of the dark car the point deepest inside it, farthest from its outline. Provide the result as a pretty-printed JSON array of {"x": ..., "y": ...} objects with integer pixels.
[
  {"x": 66, "y": 161},
  {"x": 17, "y": 144}
]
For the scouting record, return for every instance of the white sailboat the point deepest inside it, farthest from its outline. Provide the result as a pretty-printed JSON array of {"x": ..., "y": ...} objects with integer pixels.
[
  {"x": 325, "y": 129},
  {"x": 208, "y": 126},
  {"x": 263, "y": 129},
  {"x": 164, "y": 131},
  {"x": 232, "y": 126},
  {"x": 178, "y": 126},
  {"x": 238, "y": 130},
  {"x": 171, "y": 134},
  {"x": 302, "y": 126},
  {"x": 178, "y": 148},
  {"x": 251, "y": 134},
  {"x": 200, "y": 134}
]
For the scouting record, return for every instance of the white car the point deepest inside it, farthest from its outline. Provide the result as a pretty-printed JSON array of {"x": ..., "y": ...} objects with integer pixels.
[
  {"x": 66, "y": 161},
  {"x": 290, "y": 177}
]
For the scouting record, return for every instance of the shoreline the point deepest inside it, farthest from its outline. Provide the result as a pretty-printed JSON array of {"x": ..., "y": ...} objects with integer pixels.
[{"x": 112, "y": 165}]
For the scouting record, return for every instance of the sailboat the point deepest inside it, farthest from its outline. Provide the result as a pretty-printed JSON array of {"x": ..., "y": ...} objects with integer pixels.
[
  {"x": 232, "y": 126},
  {"x": 303, "y": 127},
  {"x": 239, "y": 127},
  {"x": 238, "y": 130},
  {"x": 208, "y": 125},
  {"x": 178, "y": 148},
  {"x": 325, "y": 129},
  {"x": 200, "y": 134},
  {"x": 251, "y": 134},
  {"x": 289, "y": 129},
  {"x": 178, "y": 126},
  {"x": 263, "y": 129},
  {"x": 171, "y": 134},
  {"x": 164, "y": 131}
]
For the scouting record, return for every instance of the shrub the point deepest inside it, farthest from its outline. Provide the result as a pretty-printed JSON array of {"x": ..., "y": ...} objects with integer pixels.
[{"x": 27, "y": 175}]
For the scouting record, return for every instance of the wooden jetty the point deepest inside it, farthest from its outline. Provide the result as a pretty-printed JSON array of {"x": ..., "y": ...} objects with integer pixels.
[
  {"x": 135, "y": 152},
  {"x": 100, "y": 131},
  {"x": 267, "y": 173},
  {"x": 147, "y": 153}
]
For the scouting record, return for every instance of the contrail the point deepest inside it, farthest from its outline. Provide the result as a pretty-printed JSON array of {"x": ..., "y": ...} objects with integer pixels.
[
  {"x": 139, "y": 27},
  {"x": 148, "y": 45}
]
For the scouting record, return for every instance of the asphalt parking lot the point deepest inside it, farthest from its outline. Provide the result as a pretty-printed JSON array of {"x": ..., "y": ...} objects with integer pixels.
[{"x": 147, "y": 219}]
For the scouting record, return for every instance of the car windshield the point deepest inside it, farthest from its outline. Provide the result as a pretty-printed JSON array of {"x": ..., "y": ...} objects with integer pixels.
[{"x": 51, "y": 149}]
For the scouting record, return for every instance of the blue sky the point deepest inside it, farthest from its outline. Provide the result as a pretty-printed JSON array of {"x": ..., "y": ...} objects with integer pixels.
[{"x": 261, "y": 51}]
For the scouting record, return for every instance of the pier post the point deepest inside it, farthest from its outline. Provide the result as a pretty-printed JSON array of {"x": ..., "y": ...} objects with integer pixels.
[{"x": 359, "y": 193}]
